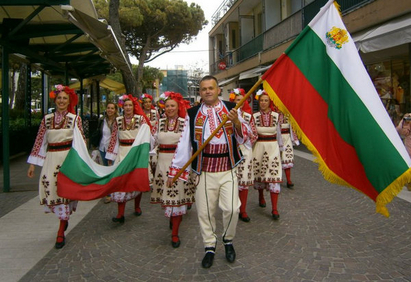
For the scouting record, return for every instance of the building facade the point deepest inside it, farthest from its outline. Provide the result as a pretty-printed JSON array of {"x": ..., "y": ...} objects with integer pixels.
[{"x": 249, "y": 35}]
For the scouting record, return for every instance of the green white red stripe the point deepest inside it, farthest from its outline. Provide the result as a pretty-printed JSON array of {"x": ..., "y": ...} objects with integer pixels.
[
  {"x": 80, "y": 178},
  {"x": 321, "y": 82}
]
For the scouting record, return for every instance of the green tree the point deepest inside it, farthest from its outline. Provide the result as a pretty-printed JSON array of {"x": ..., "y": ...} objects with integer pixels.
[{"x": 151, "y": 28}]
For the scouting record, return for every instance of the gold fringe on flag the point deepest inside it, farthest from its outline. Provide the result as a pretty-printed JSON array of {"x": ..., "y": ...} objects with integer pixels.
[{"x": 385, "y": 197}]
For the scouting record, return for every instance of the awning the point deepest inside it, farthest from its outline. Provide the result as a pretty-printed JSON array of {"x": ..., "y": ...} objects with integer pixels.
[
  {"x": 104, "y": 82},
  {"x": 393, "y": 33},
  {"x": 102, "y": 36},
  {"x": 253, "y": 72},
  {"x": 227, "y": 81}
]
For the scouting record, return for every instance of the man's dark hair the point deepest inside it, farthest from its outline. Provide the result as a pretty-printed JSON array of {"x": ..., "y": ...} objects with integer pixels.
[{"x": 209, "y": 77}]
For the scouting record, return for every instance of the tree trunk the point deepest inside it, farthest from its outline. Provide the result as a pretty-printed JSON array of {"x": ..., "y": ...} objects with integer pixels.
[
  {"x": 128, "y": 78},
  {"x": 21, "y": 88},
  {"x": 140, "y": 68}
]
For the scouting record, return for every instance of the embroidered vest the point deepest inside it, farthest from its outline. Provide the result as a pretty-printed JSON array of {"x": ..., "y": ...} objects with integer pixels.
[{"x": 197, "y": 122}]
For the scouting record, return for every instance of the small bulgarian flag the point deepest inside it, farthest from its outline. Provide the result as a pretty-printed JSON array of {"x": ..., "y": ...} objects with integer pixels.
[
  {"x": 320, "y": 81},
  {"x": 80, "y": 178}
]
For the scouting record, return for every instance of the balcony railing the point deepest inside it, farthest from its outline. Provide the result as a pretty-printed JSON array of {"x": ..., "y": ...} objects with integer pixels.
[
  {"x": 221, "y": 11},
  {"x": 284, "y": 31}
]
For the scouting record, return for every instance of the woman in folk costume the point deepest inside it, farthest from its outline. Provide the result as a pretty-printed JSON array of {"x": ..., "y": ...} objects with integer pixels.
[
  {"x": 50, "y": 149},
  {"x": 266, "y": 152},
  {"x": 245, "y": 168},
  {"x": 289, "y": 141},
  {"x": 176, "y": 199},
  {"x": 124, "y": 132},
  {"x": 150, "y": 111},
  {"x": 146, "y": 101}
]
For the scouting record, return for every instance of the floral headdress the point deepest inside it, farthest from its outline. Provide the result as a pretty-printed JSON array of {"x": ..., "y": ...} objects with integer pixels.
[
  {"x": 263, "y": 92},
  {"x": 69, "y": 91},
  {"x": 137, "y": 109},
  {"x": 240, "y": 91},
  {"x": 236, "y": 92},
  {"x": 121, "y": 100},
  {"x": 259, "y": 93},
  {"x": 183, "y": 105},
  {"x": 146, "y": 96}
]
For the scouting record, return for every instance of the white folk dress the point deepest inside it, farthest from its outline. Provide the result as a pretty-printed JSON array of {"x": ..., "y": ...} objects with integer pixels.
[
  {"x": 173, "y": 199},
  {"x": 266, "y": 151},
  {"x": 289, "y": 140},
  {"x": 50, "y": 149},
  {"x": 245, "y": 172},
  {"x": 122, "y": 137}
]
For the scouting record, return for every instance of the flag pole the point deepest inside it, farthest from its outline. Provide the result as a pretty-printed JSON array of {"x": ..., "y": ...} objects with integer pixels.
[{"x": 239, "y": 104}]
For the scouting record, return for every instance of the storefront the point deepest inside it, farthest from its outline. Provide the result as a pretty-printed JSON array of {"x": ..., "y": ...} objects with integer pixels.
[{"x": 385, "y": 51}]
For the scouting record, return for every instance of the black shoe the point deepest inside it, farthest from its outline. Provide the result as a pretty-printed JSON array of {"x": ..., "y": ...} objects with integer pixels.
[
  {"x": 290, "y": 185},
  {"x": 245, "y": 218},
  {"x": 61, "y": 244},
  {"x": 229, "y": 251},
  {"x": 138, "y": 213},
  {"x": 263, "y": 205},
  {"x": 208, "y": 258},
  {"x": 119, "y": 220},
  {"x": 175, "y": 244},
  {"x": 276, "y": 216}
]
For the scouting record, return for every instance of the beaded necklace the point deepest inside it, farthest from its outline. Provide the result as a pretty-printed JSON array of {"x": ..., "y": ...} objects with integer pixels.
[
  {"x": 128, "y": 125},
  {"x": 171, "y": 124}
]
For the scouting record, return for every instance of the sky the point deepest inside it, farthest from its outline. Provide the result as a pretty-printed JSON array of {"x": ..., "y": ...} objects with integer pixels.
[{"x": 194, "y": 55}]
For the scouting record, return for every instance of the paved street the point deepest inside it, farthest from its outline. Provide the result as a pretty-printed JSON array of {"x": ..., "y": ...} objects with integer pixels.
[{"x": 326, "y": 233}]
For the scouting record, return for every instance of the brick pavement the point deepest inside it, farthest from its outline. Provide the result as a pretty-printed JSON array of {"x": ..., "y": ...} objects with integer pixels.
[{"x": 326, "y": 233}]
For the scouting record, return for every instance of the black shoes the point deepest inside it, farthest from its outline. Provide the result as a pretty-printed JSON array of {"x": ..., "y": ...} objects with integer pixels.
[
  {"x": 138, "y": 213},
  {"x": 276, "y": 216},
  {"x": 262, "y": 204},
  {"x": 244, "y": 217},
  {"x": 119, "y": 220},
  {"x": 229, "y": 251},
  {"x": 61, "y": 244},
  {"x": 290, "y": 184},
  {"x": 208, "y": 258},
  {"x": 175, "y": 244}
]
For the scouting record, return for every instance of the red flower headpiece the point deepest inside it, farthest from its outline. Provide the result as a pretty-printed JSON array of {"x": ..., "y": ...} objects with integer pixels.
[
  {"x": 183, "y": 105},
  {"x": 236, "y": 92},
  {"x": 69, "y": 91},
  {"x": 146, "y": 96},
  {"x": 240, "y": 91},
  {"x": 137, "y": 109},
  {"x": 262, "y": 92}
]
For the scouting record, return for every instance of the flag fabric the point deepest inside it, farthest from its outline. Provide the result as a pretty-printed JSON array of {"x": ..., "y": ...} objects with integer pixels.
[
  {"x": 80, "y": 178},
  {"x": 320, "y": 81}
]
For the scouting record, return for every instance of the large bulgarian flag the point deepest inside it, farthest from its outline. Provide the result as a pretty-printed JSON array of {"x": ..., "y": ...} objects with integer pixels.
[
  {"x": 320, "y": 81},
  {"x": 80, "y": 178}
]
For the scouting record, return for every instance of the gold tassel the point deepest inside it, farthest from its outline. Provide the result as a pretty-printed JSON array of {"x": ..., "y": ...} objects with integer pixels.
[{"x": 338, "y": 7}]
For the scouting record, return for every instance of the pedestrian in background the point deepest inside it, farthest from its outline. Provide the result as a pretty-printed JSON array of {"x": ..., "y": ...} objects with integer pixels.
[
  {"x": 404, "y": 129},
  {"x": 53, "y": 142},
  {"x": 101, "y": 137}
]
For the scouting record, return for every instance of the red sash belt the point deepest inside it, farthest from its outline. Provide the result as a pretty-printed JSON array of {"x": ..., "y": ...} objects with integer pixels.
[
  {"x": 285, "y": 130},
  {"x": 167, "y": 148},
  {"x": 56, "y": 147},
  {"x": 267, "y": 138},
  {"x": 126, "y": 142}
]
